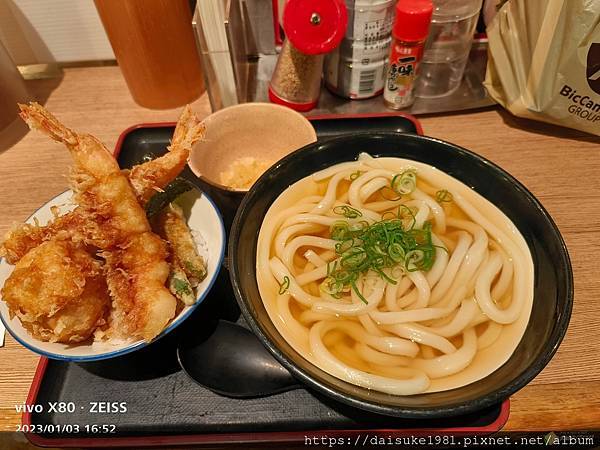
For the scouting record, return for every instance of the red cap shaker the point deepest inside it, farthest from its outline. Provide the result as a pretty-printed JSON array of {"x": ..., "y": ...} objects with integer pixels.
[
  {"x": 312, "y": 28},
  {"x": 412, "y": 20},
  {"x": 409, "y": 33}
]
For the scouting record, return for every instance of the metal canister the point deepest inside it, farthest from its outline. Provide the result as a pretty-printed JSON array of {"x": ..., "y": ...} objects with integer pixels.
[
  {"x": 356, "y": 69},
  {"x": 360, "y": 75}
]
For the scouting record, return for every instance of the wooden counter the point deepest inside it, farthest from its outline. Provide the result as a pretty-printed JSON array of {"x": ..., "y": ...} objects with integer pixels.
[{"x": 560, "y": 166}]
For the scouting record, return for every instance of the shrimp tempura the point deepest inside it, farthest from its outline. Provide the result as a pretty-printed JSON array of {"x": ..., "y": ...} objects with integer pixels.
[
  {"x": 152, "y": 176},
  {"x": 146, "y": 179},
  {"x": 136, "y": 268}
]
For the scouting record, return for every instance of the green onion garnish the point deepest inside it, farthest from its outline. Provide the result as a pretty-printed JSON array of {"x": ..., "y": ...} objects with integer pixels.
[
  {"x": 443, "y": 196},
  {"x": 347, "y": 211},
  {"x": 404, "y": 183},
  {"x": 393, "y": 197},
  {"x": 284, "y": 286},
  {"x": 387, "y": 244}
]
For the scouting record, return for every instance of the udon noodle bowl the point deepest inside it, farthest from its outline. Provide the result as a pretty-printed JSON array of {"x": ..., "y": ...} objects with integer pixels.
[{"x": 392, "y": 275}]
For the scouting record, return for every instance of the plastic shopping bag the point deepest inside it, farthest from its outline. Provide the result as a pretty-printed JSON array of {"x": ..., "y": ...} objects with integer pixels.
[{"x": 544, "y": 61}]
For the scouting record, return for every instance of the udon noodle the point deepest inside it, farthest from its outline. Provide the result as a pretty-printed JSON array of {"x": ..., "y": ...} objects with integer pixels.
[{"x": 394, "y": 276}]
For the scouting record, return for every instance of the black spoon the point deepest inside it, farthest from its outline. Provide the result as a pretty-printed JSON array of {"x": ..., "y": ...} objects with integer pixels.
[{"x": 232, "y": 362}]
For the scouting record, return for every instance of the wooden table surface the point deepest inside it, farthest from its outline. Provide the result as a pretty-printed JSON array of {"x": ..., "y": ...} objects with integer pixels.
[{"x": 560, "y": 166}]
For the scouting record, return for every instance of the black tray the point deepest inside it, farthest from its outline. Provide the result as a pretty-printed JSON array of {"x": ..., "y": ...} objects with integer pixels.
[{"x": 164, "y": 406}]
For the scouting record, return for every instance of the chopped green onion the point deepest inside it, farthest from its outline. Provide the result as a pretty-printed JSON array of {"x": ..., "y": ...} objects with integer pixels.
[
  {"x": 284, "y": 286},
  {"x": 413, "y": 258},
  {"x": 443, "y": 196},
  {"x": 333, "y": 287},
  {"x": 386, "y": 189},
  {"x": 404, "y": 183},
  {"x": 347, "y": 211},
  {"x": 344, "y": 245},
  {"x": 396, "y": 252},
  {"x": 357, "y": 292},
  {"x": 390, "y": 246},
  {"x": 358, "y": 226},
  {"x": 339, "y": 230}
]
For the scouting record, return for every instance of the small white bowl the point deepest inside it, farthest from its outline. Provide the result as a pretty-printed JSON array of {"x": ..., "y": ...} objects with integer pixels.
[
  {"x": 263, "y": 131},
  {"x": 203, "y": 218}
]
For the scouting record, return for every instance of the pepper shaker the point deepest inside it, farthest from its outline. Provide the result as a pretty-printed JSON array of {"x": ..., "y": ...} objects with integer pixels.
[{"x": 313, "y": 28}]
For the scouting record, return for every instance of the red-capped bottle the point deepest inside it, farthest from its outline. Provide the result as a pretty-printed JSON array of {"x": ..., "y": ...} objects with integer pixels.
[
  {"x": 312, "y": 28},
  {"x": 409, "y": 33}
]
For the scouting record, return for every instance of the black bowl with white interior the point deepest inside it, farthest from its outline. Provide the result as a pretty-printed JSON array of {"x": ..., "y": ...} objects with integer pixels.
[{"x": 553, "y": 279}]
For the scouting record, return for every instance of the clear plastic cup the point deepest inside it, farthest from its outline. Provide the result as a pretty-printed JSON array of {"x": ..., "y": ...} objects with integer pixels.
[{"x": 447, "y": 47}]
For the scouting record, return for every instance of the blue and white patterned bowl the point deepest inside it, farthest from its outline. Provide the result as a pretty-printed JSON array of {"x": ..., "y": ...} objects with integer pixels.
[{"x": 203, "y": 218}]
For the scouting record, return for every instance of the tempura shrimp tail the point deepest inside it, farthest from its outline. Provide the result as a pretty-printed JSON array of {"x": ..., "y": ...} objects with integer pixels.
[
  {"x": 37, "y": 117},
  {"x": 152, "y": 176},
  {"x": 93, "y": 161},
  {"x": 188, "y": 131}
]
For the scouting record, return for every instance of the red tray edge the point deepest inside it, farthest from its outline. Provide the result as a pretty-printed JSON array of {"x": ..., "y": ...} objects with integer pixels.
[{"x": 234, "y": 438}]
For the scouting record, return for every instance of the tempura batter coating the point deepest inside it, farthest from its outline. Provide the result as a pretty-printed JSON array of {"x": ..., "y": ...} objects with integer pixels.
[
  {"x": 136, "y": 278},
  {"x": 58, "y": 292},
  {"x": 22, "y": 238},
  {"x": 152, "y": 176},
  {"x": 146, "y": 179},
  {"x": 172, "y": 227},
  {"x": 116, "y": 224}
]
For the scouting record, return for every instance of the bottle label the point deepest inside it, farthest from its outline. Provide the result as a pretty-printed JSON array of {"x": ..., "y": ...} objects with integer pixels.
[
  {"x": 354, "y": 79},
  {"x": 366, "y": 80},
  {"x": 370, "y": 21},
  {"x": 357, "y": 71},
  {"x": 401, "y": 72}
]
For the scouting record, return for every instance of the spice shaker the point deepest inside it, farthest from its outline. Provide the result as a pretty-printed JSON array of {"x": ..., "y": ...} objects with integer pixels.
[
  {"x": 356, "y": 69},
  {"x": 312, "y": 28},
  {"x": 409, "y": 33}
]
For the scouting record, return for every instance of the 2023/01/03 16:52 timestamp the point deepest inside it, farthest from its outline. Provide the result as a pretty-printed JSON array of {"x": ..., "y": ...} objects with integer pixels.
[
  {"x": 51, "y": 428},
  {"x": 71, "y": 408}
]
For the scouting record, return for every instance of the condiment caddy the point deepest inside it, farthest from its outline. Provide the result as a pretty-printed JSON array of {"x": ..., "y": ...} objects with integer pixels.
[{"x": 354, "y": 69}]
